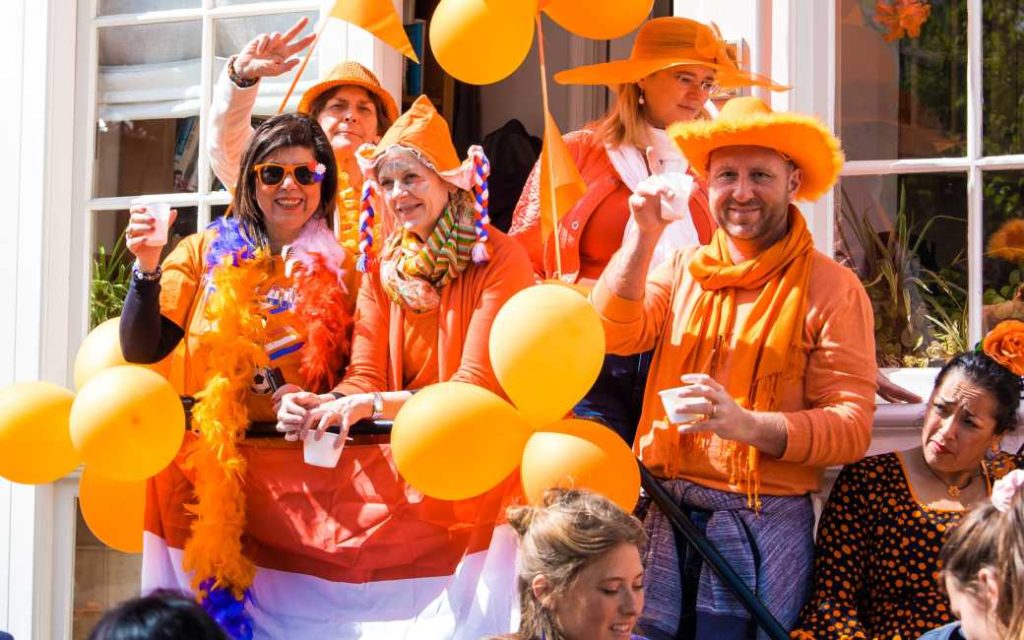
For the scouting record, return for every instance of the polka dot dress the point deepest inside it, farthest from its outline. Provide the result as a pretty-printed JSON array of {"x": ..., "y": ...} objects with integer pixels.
[{"x": 876, "y": 562}]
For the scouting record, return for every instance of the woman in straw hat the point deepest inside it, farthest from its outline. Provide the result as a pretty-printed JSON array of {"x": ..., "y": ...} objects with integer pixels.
[
  {"x": 348, "y": 103},
  {"x": 674, "y": 67}
]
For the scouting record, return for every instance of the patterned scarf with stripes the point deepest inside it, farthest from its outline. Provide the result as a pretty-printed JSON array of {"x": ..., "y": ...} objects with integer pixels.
[{"x": 413, "y": 272}]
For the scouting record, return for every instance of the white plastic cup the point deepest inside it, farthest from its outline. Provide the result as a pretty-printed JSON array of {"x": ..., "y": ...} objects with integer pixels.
[
  {"x": 161, "y": 212},
  {"x": 678, "y": 206},
  {"x": 321, "y": 453},
  {"x": 679, "y": 410}
]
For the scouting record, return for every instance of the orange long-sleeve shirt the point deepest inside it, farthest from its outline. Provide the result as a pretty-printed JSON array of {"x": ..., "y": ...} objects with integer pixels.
[
  {"x": 467, "y": 310},
  {"x": 828, "y": 410}
]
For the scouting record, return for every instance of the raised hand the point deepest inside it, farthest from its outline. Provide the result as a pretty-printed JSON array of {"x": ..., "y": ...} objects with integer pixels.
[{"x": 270, "y": 54}]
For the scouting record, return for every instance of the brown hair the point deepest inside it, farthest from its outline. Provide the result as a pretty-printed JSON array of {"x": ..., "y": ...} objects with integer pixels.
[
  {"x": 287, "y": 130},
  {"x": 624, "y": 122},
  {"x": 557, "y": 540},
  {"x": 320, "y": 102},
  {"x": 990, "y": 538}
]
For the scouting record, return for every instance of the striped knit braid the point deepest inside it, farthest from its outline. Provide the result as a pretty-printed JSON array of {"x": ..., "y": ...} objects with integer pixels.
[
  {"x": 367, "y": 259},
  {"x": 481, "y": 171}
]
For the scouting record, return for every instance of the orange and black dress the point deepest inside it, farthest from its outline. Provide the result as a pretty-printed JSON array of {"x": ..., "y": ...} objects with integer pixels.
[{"x": 877, "y": 555}]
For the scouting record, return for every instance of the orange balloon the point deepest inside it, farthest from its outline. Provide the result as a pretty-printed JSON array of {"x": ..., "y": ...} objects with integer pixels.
[
  {"x": 454, "y": 440},
  {"x": 35, "y": 446},
  {"x": 101, "y": 350},
  {"x": 127, "y": 423},
  {"x": 599, "y": 19},
  {"x": 113, "y": 510},
  {"x": 482, "y": 41},
  {"x": 547, "y": 347},
  {"x": 580, "y": 454}
]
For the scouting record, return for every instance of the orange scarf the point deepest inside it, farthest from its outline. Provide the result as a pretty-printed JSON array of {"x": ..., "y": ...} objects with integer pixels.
[{"x": 767, "y": 346}]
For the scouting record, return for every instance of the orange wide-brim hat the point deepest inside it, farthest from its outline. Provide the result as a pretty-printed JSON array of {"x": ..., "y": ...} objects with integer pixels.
[
  {"x": 663, "y": 43},
  {"x": 750, "y": 122},
  {"x": 423, "y": 131},
  {"x": 349, "y": 73}
]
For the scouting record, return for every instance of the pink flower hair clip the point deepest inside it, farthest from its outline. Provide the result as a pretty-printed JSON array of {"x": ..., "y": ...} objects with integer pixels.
[{"x": 1004, "y": 489}]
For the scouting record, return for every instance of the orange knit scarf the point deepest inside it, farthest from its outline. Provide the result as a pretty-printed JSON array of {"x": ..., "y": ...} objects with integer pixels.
[{"x": 767, "y": 346}]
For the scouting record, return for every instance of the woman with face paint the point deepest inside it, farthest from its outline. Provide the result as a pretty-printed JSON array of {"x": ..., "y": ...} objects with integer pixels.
[{"x": 877, "y": 557}]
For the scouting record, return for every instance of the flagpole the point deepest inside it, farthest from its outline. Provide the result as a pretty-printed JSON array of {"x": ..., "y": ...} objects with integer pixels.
[
  {"x": 305, "y": 61},
  {"x": 550, "y": 158}
]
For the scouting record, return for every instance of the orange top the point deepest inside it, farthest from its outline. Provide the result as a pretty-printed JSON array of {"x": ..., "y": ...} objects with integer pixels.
[
  {"x": 419, "y": 367},
  {"x": 602, "y": 236},
  {"x": 464, "y": 317},
  {"x": 183, "y": 296},
  {"x": 828, "y": 410}
]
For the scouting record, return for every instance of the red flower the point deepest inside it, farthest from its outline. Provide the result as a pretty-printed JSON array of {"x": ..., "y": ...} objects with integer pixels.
[{"x": 902, "y": 17}]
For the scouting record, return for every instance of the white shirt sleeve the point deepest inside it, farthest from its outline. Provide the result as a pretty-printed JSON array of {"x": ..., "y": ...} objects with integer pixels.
[{"x": 229, "y": 127}]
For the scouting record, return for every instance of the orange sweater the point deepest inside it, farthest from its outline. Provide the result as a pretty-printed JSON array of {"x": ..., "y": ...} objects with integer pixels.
[
  {"x": 468, "y": 306},
  {"x": 828, "y": 411}
]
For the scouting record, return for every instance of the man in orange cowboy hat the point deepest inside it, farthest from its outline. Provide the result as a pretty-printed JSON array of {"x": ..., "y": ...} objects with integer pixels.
[{"x": 773, "y": 345}]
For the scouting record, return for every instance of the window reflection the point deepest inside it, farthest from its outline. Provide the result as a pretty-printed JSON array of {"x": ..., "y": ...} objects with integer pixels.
[{"x": 1003, "y": 271}]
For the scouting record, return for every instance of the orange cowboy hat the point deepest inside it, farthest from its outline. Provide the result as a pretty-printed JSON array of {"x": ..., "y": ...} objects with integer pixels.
[
  {"x": 749, "y": 121},
  {"x": 663, "y": 43},
  {"x": 354, "y": 74}
]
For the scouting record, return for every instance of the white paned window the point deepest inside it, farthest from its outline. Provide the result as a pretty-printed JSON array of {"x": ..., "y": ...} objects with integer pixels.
[{"x": 930, "y": 206}]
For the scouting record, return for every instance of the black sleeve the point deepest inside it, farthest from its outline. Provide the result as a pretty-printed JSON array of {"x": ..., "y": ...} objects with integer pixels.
[{"x": 146, "y": 336}]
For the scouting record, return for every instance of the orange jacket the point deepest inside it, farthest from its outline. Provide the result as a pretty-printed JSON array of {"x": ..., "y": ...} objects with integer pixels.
[
  {"x": 468, "y": 307},
  {"x": 601, "y": 179}
]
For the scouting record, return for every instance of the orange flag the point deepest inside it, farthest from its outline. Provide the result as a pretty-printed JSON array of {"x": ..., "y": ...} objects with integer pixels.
[
  {"x": 380, "y": 18},
  {"x": 558, "y": 173}
]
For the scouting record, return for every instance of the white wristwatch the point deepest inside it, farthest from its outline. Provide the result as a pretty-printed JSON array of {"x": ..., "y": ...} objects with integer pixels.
[{"x": 378, "y": 406}]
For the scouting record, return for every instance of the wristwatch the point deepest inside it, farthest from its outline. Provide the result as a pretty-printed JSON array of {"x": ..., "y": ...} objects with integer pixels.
[{"x": 378, "y": 406}]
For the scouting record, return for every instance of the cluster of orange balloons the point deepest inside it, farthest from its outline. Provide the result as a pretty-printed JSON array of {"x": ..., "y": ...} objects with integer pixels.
[
  {"x": 125, "y": 424},
  {"x": 484, "y": 41},
  {"x": 455, "y": 440}
]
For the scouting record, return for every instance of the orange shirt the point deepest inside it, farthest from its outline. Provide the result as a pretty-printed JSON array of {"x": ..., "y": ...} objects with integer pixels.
[
  {"x": 602, "y": 235},
  {"x": 828, "y": 411},
  {"x": 183, "y": 296},
  {"x": 459, "y": 349}
]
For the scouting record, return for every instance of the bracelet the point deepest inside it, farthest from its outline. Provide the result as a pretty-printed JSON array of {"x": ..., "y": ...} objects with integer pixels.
[
  {"x": 146, "y": 276},
  {"x": 378, "y": 406},
  {"x": 337, "y": 394},
  {"x": 234, "y": 77}
]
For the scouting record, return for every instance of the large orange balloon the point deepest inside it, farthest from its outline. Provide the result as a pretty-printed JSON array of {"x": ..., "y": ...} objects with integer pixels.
[
  {"x": 455, "y": 440},
  {"x": 482, "y": 41},
  {"x": 101, "y": 350},
  {"x": 547, "y": 346},
  {"x": 579, "y": 454},
  {"x": 35, "y": 447},
  {"x": 113, "y": 510},
  {"x": 598, "y": 19},
  {"x": 127, "y": 423}
]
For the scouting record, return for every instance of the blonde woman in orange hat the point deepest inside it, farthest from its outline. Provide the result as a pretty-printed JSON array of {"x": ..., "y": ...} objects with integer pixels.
[
  {"x": 675, "y": 65},
  {"x": 429, "y": 295}
]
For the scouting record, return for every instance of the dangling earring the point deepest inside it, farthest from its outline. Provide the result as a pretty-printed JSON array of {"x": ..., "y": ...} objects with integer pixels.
[{"x": 641, "y": 99}]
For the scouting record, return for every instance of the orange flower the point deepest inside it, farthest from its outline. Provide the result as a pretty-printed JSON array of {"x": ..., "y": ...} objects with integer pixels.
[
  {"x": 902, "y": 17},
  {"x": 1008, "y": 242},
  {"x": 1005, "y": 344}
]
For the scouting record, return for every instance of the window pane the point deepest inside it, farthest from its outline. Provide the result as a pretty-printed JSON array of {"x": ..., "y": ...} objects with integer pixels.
[
  {"x": 1003, "y": 277},
  {"x": 905, "y": 97},
  {"x": 103, "y": 578},
  {"x": 135, "y": 157},
  {"x": 111, "y": 261},
  {"x": 906, "y": 237},
  {"x": 108, "y": 7},
  {"x": 1004, "y": 77}
]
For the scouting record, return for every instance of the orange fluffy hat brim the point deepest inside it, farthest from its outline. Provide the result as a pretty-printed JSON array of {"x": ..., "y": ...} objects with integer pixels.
[{"x": 812, "y": 147}]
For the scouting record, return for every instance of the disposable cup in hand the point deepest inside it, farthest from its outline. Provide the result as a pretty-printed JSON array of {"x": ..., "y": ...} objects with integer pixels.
[
  {"x": 321, "y": 453},
  {"x": 681, "y": 184},
  {"x": 680, "y": 410},
  {"x": 161, "y": 212}
]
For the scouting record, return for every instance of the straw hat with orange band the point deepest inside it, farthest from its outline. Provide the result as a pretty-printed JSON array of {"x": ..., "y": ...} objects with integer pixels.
[{"x": 351, "y": 73}]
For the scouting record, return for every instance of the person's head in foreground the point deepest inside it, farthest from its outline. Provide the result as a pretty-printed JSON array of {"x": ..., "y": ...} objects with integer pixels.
[
  {"x": 580, "y": 569},
  {"x": 163, "y": 615},
  {"x": 983, "y": 565}
]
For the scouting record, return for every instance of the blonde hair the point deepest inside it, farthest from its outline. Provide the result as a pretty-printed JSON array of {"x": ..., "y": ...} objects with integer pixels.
[
  {"x": 989, "y": 538},
  {"x": 557, "y": 540},
  {"x": 624, "y": 122}
]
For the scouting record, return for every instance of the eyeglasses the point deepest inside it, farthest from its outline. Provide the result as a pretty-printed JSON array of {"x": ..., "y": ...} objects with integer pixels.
[
  {"x": 707, "y": 87},
  {"x": 305, "y": 173}
]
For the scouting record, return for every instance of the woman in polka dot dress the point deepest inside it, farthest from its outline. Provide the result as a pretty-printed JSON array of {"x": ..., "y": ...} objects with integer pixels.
[{"x": 876, "y": 562}]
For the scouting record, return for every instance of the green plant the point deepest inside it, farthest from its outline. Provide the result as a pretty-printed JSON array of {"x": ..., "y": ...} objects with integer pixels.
[
  {"x": 920, "y": 315},
  {"x": 109, "y": 286}
]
